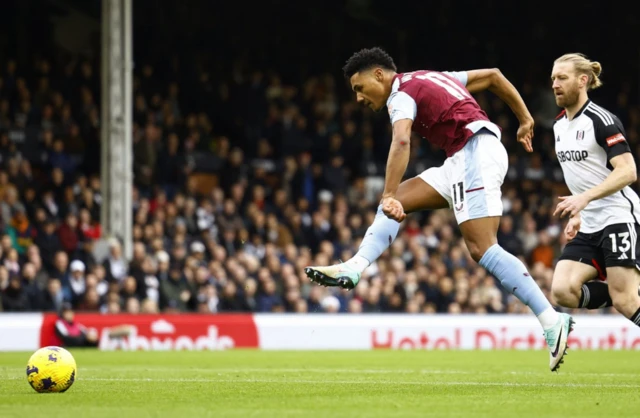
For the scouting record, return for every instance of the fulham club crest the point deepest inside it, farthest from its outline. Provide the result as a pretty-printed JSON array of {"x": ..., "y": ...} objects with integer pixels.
[{"x": 580, "y": 135}]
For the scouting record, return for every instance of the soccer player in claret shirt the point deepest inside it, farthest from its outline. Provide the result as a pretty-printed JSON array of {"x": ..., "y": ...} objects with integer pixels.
[
  {"x": 439, "y": 107},
  {"x": 603, "y": 210}
]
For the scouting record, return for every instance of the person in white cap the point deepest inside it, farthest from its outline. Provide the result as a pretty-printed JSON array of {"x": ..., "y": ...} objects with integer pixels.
[
  {"x": 197, "y": 247},
  {"x": 162, "y": 256},
  {"x": 74, "y": 285},
  {"x": 115, "y": 264},
  {"x": 198, "y": 252},
  {"x": 330, "y": 304}
]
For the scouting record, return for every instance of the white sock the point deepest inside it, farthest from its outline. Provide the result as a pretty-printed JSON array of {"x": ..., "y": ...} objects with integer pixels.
[
  {"x": 548, "y": 318},
  {"x": 358, "y": 263}
]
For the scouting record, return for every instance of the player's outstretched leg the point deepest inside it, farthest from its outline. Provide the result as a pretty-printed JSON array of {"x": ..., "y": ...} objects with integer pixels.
[
  {"x": 377, "y": 239},
  {"x": 480, "y": 236},
  {"x": 414, "y": 194}
]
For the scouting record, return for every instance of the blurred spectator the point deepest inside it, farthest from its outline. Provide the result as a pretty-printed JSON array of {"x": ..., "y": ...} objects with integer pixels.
[
  {"x": 543, "y": 252},
  {"x": 48, "y": 243},
  {"x": 53, "y": 296},
  {"x": 71, "y": 333},
  {"x": 15, "y": 297},
  {"x": 68, "y": 235},
  {"x": 73, "y": 284},
  {"x": 21, "y": 231},
  {"x": 115, "y": 264},
  {"x": 175, "y": 292},
  {"x": 268, "y": 300}
]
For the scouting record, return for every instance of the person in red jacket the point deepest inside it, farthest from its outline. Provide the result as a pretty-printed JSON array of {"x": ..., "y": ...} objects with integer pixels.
[
  {"x": 71, "y": 333},
  {"x": 89, "y": 228},
  {"x": 68, "y": 234}
]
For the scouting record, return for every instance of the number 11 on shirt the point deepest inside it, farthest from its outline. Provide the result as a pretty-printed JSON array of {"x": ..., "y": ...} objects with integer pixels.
[{"x": 458, "y": 193}]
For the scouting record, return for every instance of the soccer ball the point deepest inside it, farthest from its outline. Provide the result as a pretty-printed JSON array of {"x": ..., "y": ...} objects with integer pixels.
[{"x": 51, "y": 369}]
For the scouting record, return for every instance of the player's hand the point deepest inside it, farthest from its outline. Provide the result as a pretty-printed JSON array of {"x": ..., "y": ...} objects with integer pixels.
[
  {"x": 525, "y": 134},
  {"x": 393, "y": 209},
  {"x": 571, "y": 205},
  {"x": 572, "y": 228},
  {"x": 92, "y": 335}
]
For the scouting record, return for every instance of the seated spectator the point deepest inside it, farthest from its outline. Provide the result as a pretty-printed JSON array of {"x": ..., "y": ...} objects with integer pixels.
[
  {"x": 71, "y": 333},
  {"x": 21, "y": 230},
  {"x": 73, "y": 284},
  {"x": 68, "y": 235},
  {"x": 14, "y": 296},
  {"x": 115, "y": 264}
]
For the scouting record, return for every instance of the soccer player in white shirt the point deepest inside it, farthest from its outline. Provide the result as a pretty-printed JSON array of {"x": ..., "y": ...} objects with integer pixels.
[{"x": 603, "y": 210}]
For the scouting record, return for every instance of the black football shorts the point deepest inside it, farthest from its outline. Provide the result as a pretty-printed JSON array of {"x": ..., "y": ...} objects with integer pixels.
[{"x": 614, "y": 246}]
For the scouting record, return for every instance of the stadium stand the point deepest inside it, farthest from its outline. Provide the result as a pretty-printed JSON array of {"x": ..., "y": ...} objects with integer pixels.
[{"x": 241, "y": 180}]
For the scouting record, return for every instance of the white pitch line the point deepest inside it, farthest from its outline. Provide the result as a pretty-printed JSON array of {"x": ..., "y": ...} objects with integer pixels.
[
  {"x": 280, "y": 370},
  {"x": 243, "y": 370},
  {"x": 348, "y": 371},
  {"x": 355, "y": 382}
]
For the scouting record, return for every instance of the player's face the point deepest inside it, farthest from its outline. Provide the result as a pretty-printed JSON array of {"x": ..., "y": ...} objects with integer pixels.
[
  {"x": 370, "y": 88},
  {"x": 566, "y": 84},
  {"x": 67, "y": 315}
]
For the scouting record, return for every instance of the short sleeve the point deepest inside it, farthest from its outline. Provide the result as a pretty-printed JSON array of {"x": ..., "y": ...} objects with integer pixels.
[
  {"x": 401, "y": 106},
  {"x": 610, "y": 134},
  {"x": 461, "y": 76}
]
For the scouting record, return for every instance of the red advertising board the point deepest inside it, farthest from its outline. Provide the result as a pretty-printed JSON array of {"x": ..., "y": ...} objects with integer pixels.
[{"x": 164, "y": 332}]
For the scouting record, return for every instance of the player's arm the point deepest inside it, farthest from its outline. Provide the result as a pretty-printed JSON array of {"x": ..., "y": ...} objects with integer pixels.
[
  {"x": 623, "y": 174},
  {"x": 610, "y": 135},
  {"x": 612, "y": 138},
  {"x": 493, "y": 80},
  {"x": 398, "y": 156},
  {"x": 402, "y": 111}
]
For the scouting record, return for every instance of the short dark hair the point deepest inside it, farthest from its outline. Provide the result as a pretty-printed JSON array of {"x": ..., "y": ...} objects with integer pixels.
[{"x": 368, "y": 58}]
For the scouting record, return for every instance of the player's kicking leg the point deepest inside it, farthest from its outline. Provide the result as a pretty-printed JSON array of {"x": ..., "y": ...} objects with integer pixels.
[
  {"x": 480, "y": 235},
  {"x": 415, "y": 195},
  {"x": 478, "y": 211}
]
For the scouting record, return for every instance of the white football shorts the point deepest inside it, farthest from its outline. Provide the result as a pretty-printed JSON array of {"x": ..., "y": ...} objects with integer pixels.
[{"x": 471, "y": 179}]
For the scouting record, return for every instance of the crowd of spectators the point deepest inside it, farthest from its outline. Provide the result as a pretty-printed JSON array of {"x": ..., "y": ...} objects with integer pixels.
[{"x": 297, "y": 171}]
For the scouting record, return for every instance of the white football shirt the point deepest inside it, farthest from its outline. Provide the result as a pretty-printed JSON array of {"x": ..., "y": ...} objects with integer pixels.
[{"x": 584, "y": 146}]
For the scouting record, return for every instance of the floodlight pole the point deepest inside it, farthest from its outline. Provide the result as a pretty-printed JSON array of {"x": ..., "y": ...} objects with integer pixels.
[{"x": 116, "y": 130}]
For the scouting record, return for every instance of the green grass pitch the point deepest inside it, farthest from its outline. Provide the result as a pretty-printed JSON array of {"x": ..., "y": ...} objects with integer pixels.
[{"x": 332, "y": 384}]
